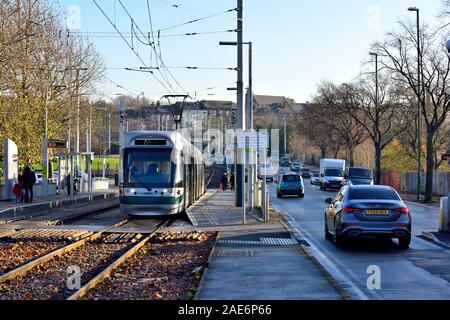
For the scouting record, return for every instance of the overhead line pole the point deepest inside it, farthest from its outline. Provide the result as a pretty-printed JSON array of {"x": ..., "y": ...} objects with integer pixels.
[{"x": 240, "y": 123}]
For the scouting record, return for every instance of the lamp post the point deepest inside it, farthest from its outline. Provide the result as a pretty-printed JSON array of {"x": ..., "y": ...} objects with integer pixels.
[
  {"x": 45, "y": 143},
  {"x": 419, "y": 93},
  {"x": 377, "y": 160}
]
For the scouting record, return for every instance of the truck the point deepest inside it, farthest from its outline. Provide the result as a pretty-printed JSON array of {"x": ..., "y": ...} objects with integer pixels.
[{"x": 332, "y": 173}]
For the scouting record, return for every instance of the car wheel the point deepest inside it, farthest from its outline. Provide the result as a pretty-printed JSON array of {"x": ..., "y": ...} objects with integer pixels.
[
  {"x": 302, "y": 196},
  {"x": 279, "y": 195},
  {"x": 321, "y": 187},
  {"x": 404, "y": 242},
  {"x": 337, "y": 240},
  {"x": 327, "y": 232}
]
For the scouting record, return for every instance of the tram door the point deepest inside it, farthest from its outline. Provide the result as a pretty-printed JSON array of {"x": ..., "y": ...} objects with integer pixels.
[{"x": 186, "y": 185}]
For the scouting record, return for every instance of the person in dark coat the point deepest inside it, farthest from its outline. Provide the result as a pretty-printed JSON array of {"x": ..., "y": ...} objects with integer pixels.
[
  {"x": 232, "y": 181},
  {"x": 29, "y": 180},
  {"x": 224, "y": 182},
  {"x": 21, "y": 182}
]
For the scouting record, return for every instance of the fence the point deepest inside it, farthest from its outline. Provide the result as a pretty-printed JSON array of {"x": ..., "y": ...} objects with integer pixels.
[{"x": 407, "y": 182}]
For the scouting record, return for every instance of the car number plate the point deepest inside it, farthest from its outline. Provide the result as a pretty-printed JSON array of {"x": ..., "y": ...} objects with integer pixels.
[
  {"x": 292, "y": 187},
  {"x": 377, "y": 212}
]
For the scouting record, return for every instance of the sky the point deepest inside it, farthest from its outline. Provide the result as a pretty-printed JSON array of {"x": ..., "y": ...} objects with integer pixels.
[{"x": 296, "y": 43}]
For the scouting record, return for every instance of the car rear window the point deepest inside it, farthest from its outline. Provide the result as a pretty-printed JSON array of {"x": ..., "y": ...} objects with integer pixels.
[
  {"x": 373, "y": 193},
  {"x": 305, "y": 170},
  {"x": 291, "y": 178}
]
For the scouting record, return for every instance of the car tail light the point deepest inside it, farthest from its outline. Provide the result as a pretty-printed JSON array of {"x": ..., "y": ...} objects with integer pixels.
[
  {"x": 403, "y": 210},
  {"x": 121, "y": 191},
  {"x": 348, "y": 210}
]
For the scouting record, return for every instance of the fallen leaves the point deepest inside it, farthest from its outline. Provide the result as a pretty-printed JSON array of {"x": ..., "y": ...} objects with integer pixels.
[{"x": 166, "y": 270}]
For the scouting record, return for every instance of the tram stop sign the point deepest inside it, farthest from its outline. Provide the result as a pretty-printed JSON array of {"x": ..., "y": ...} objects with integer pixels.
[
  {"x": 56, "y": 144},
  {"x": 446, "y": 157}
]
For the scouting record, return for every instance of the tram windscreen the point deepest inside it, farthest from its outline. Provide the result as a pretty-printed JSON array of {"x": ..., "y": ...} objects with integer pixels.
[{"x": 148, "y": 168}]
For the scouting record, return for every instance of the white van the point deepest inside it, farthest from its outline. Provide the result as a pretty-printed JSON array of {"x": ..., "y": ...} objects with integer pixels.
[
  {"x": 332, "y": 172},
  {"x": 266, "y": 171}
]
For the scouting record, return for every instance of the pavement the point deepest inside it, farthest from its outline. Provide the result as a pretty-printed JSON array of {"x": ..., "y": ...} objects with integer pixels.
[
  {"x": 59, "y": 206},
  {"x": 255, "y": 261},
  {"x": 412, "y": 198}
]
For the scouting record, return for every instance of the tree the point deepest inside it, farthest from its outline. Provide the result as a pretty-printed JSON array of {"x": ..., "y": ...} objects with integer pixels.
[
  {"x": 337, "y": 114},
  {"x": 312, "y": 123},
  {"x": 38, "y": 57},
  {"x": 378, "y": 109},
  {"x": 399, "y": 55}
]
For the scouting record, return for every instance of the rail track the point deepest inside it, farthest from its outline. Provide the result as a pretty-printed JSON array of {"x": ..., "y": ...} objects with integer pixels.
[
  {"x": 35, "y": 262},
  {"x": 96, "y": 255}
]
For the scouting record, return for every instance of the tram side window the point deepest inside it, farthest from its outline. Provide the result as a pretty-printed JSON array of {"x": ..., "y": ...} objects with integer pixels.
[{"x": 146, "y": 167}]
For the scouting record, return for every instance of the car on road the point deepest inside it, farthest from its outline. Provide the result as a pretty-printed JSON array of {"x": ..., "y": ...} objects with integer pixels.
[
  {"x": 291, "y": 184},
  {"x": 358, "y": 176},
  {"x": 284, "y": 162},
  {"x": 306, "y": 173},
  {"x": 296, "y": 167},
  {"x": 367, "y": 212},
  {"x": 315, "y": 179}
]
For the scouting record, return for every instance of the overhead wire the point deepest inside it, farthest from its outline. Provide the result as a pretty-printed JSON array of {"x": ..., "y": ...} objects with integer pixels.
[
  {"x": 171, "y": 90},
  {"x": 197, "y": 20},
  {"x": 152, "y": 46}
]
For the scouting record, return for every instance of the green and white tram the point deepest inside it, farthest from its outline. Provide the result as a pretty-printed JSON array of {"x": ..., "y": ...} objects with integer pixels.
[{"x": 161, "y": 173}]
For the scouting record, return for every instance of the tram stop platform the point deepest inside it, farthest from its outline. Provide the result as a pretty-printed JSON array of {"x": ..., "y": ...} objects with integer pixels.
[
  {"x": 255, "y": 261},
  {"x": 10, "y": 211}
]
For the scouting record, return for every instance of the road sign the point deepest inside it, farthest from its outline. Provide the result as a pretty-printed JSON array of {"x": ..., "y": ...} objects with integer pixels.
[
  {"x": 56, "y": 144},
  {"x": 255, "y": 140}
]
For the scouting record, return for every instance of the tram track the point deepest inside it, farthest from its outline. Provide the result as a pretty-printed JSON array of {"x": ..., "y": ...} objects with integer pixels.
[{"x": 45, "y": 278}]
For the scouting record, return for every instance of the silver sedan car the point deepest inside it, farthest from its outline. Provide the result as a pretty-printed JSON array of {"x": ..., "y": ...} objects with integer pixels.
[{"x": 367, "y": 212}]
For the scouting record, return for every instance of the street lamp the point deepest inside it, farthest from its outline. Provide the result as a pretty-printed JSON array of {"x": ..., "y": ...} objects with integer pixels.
[
  {"x": 45, "y": 144},
  {"x": 419, "y": 93},
  {"x": 378, "y": 173}
]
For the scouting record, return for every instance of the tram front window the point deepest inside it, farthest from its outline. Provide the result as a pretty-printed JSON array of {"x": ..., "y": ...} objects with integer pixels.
[{"x": 146, "y": 168}]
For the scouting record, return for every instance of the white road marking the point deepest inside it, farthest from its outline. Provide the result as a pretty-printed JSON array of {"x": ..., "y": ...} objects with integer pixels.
[{"x": 324, "y": 261}]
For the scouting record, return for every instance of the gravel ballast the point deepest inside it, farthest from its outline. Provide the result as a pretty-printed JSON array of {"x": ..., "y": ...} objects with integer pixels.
[
  {"x": 165, "y": 270},
  {"x": 49, "y": 280},
  {"x": 16, "y": 253}
]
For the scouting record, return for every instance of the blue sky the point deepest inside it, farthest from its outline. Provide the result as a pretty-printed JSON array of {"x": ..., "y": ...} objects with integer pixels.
[{"x": 297, "y": 43}]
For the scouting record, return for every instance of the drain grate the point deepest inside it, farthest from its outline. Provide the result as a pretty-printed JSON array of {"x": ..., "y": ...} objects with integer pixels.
[{"x": 262, "y": 242}]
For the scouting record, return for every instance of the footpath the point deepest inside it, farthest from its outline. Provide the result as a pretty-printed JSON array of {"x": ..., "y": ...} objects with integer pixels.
[{"x": 255, "y": 261}]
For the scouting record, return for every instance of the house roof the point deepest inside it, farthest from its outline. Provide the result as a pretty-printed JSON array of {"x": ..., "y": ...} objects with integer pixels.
[
  {"x": 216, "y": 104},
  {"x": 261, "y": 100}
]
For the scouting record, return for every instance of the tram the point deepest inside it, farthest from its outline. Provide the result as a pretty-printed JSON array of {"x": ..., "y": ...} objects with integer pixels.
[{"x": 161, "y": 173}]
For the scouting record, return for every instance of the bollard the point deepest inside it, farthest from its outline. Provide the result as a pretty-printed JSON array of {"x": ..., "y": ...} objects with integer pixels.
[{"x": 444, "y": 215}]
